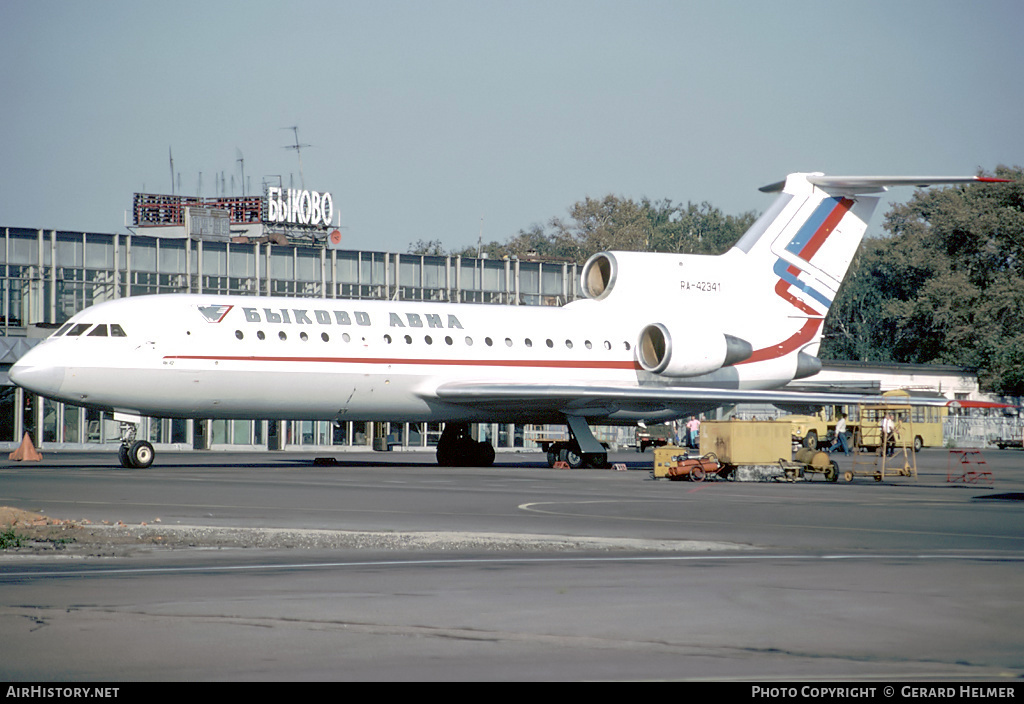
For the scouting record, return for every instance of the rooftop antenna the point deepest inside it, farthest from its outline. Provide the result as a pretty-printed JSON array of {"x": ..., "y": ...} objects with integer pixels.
[
  {"x": 298, "y": 151},
  {"x": 171, "y": 157},
  {"x": 241, "y": 161}
]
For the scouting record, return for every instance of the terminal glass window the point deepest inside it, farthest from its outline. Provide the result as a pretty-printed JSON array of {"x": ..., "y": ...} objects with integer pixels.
[
  {"x": 552, "y": 284},
  {"x": 242, "y": 268},
  {"x": 215, "y": 268},
  {"x": 99, "y": 251},
  {"x": 434, "y": 278},
  {"x": 529, "y": 282},
  {"x": 307, "y": 269},
  {"x": 172, "y": 260},
  {"x": 8, "y": 408}
]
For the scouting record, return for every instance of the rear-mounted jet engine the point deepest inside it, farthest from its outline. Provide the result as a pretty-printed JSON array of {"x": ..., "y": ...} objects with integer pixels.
[{"x": 661, "y": 352}]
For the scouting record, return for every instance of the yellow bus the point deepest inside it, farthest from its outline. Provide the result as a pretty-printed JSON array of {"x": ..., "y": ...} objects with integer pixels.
[{"x": 925, "y": 423}]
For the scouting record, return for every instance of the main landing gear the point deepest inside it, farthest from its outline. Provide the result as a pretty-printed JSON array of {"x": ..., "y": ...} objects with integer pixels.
[
  {"x": 569, "y": 451},
  {"x": 456, "y": 448},
  {"x": 134, "y": 454},
  {"x": 582, "y": 450}
]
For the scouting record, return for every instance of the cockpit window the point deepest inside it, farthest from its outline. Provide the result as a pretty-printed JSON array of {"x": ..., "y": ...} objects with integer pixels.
[{"x": 101, "y": 330}]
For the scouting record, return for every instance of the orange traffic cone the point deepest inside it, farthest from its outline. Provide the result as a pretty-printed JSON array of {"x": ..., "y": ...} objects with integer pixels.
[{"x": 26, "y": 451}]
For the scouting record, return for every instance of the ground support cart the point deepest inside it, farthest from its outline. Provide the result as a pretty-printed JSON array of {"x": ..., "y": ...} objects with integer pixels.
[
  {"x": 806, "y": 463},
  {"x": 895, "y": 456},
  {"x": 696, "y": 469},
  {"x": 674, "y": 462}
]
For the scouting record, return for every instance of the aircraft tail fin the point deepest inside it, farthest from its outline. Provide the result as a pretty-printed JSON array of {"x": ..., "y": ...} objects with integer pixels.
[
  {"x": 814, "y": 227},
  {"x": 808, "y": 238}
]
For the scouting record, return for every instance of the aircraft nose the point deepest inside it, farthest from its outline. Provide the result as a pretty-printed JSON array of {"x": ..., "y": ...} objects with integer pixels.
[{"x": 41, "y": 379}]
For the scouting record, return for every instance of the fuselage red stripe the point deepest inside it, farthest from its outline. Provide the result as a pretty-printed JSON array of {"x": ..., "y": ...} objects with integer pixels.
[
  {"x": 804, "y": 335},
  {"x": 540, "y": 363}
]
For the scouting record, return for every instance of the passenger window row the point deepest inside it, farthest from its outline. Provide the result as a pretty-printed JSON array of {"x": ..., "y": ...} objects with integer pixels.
[{"x": 408, "y": 339}]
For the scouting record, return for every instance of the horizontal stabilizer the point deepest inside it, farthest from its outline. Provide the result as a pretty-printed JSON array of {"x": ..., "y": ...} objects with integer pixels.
[{"x": 876, "y": 184}]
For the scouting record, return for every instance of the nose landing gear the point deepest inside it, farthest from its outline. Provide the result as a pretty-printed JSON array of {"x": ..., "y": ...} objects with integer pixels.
[{"x": 134, "y": 454}]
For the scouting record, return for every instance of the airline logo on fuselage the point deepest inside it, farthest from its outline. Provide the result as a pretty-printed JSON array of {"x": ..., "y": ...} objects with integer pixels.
[
  {"x": 305, "y": 316},
  {"x": 214, "y": 314}
]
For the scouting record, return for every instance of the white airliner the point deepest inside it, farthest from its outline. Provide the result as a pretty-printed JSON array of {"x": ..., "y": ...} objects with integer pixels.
[{"x": 660, "y": 336}]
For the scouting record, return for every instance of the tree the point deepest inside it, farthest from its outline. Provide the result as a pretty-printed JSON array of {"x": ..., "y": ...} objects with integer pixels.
[
  {"x": 619, "y": 223},
  {"x": 597, "y": 225},
  {"x": 945, "y": 285},
  {"x": 854, "y": 325},
  {"x": 694, "y": 229},
  {"x": 431, "y": 247}
]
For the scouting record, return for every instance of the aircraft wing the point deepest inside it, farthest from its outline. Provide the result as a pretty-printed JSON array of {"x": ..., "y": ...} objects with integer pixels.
[{"x": 603, "y": 400}]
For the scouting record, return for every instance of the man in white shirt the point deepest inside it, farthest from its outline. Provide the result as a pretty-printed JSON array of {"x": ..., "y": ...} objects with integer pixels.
[
  {"x": 840, "y": 440},
  {"x": 888, "y": 434}
]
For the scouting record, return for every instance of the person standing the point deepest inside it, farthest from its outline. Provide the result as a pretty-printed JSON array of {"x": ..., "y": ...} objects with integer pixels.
[
  {"x": 694, "y": 427},
  {"x": 888, "y": 434}
]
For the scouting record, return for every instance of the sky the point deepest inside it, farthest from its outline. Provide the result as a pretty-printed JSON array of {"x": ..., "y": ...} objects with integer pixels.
[{"x": 454, "y": 119}]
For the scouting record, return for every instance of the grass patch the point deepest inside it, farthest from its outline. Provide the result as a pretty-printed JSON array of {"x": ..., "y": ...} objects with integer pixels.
[{"x": 9, "y": 539}]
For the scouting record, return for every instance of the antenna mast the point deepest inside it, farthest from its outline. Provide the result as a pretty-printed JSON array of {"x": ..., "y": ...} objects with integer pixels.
[
  {"x": 171, "y": 157},
  {"x": 298, "y": 151},
  {"x": 241, "y": 160}
]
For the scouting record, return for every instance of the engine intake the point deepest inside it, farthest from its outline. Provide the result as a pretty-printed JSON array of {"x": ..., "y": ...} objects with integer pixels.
[
  {"x": 599, "y": 275},
  {"x": 659, "y": 352}
]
